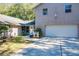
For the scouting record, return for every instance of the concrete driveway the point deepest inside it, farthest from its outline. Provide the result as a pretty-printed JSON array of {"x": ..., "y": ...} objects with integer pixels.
[{"x": 52, "y": 47}]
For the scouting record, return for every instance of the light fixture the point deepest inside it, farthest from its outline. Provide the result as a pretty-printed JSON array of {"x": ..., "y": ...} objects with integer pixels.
[{"x": 55, "y": 13}]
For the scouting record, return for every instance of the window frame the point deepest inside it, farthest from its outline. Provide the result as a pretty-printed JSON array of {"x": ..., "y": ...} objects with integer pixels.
[
  {"x": 45, "y": 11},
  {"x": 68, "y": 8}
]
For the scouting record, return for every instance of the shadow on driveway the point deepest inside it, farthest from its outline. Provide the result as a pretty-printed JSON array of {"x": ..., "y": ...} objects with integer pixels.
[
  {"x": 70, "y": 47},
  {"x": 52, "y": 47}
]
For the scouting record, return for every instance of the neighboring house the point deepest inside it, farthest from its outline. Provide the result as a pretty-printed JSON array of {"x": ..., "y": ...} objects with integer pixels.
[
  {"x": 17, "y": 27},
  {"x": 58, "y": 19}
]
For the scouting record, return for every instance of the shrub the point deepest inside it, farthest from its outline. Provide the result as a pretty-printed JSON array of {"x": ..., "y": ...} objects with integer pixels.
[
  {"x": 3, "y": 28},
  {"x": 18, "y": 39},
  {"x": 40, "y": 32}
]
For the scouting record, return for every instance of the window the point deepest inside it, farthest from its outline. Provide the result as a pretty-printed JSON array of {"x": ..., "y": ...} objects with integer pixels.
[
  {"x": 68, "y": 8},
  {"x": 45, "y": 11}
]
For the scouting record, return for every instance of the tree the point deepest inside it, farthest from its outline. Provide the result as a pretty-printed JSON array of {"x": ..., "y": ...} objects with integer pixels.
[
  {"x": 18, "y": 10},
  {"x": 3, "y": 29},
  {"x": 22, "y": 11},
  {"x": 4, "y": 8}
]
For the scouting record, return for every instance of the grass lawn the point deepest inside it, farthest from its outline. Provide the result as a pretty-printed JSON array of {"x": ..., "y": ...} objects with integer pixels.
[{"x": 11, "y": 47}]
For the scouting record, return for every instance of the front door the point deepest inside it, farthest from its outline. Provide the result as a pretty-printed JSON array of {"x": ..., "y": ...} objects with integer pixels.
[{"x": 25, "y": 30}]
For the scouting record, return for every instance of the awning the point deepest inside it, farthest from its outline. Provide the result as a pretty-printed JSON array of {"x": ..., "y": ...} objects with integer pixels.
[{"x": 28, "y": 23}]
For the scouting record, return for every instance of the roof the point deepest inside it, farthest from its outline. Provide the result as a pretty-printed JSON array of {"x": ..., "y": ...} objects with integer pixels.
[
  {"x": 15, "y": 21},
  {"x": 2, "y": 22},
  {"x": 28, "y": 23},
  {"x": 10, "y": 20}
]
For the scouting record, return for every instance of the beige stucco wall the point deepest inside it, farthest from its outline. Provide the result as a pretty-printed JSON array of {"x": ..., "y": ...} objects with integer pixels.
[
  {"x": 62, "y": 18},
  {"x": 16, "y": 29}
]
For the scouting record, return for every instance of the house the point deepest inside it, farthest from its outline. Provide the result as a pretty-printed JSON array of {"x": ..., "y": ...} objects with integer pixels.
[
  {"x": 58, "y": 19},
  {"x": 17, "y": 27}
]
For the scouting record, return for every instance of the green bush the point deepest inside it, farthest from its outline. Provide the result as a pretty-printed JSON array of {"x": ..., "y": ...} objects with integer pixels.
[
  {"x": 3, "y": 28},
  {"x": 18, "y": 40},
  {"x": 40, "y": 32}
]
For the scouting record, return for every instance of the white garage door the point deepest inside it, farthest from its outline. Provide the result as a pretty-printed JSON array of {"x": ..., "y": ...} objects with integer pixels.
[{"x": 62, "y": 30}]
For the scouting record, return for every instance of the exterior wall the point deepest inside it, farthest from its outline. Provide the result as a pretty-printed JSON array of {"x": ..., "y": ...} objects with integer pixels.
[
  {"x": 62, "y": 18},
  {"x": 19, "y": 31},
  {"x": 78, "y": 30},
  {"x": 31, "y": 29},
  {"x": 14, "y": 31}
]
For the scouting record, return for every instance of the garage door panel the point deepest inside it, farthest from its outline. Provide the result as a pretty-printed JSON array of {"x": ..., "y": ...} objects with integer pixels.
[{"x": 62, "y": 30}]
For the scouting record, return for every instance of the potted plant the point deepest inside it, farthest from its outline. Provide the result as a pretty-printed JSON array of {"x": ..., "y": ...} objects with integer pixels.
[{"x": 39, "y": 32}]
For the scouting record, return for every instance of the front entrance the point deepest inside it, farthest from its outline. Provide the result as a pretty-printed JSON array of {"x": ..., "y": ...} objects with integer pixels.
[{"x": 25, "y": 30}]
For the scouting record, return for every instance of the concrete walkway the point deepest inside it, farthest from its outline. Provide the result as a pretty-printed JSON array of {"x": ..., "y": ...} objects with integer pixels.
[{"x": 51, "y": 47}]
